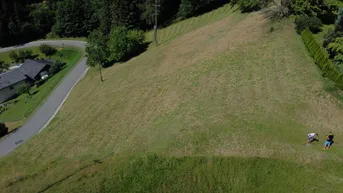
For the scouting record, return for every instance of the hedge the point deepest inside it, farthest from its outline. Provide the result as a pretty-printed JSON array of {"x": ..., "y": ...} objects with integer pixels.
[{"x": 321, "y": 58}]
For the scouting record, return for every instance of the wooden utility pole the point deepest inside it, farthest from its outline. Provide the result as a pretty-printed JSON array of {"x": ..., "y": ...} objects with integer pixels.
[{"x": 156, "y": 5}]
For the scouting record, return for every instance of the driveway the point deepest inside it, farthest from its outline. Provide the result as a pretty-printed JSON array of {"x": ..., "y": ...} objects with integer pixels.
[{"x": 48, "y": 110}]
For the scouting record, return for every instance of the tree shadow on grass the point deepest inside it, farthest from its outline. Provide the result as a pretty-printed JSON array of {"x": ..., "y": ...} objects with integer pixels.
[{"x": 95, "y": 162}]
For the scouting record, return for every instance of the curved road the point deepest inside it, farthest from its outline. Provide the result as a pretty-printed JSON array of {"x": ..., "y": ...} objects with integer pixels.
[{"x": 48, "y": 110}]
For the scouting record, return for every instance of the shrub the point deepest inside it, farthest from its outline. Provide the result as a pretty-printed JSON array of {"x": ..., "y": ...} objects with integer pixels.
[
  {"x": 339, "y": 21},
  {"x": 2, "y": 109},
  {"x": 250, "y": 5},
  {"x": 135, "y": 41},
  {"x": 14, "y": 56},
  {"x": 39, "y": 82},
  {"x": 322, "y": 59},
  {"x": 186, "y": 9},
  {"x": 47, "y": 50},
  {"x": 25, "y": 54},
  {"x": 21, "y": 56},
  {"x": 330, "y": 36},
  {"x": 124, "y": 43},
  {"x": 313, "y": 23},
  {"x": 56, "y": 67},
  {"x": 3, "y": 66},
  {"x": 3, "y": 129},
  {"x": 335, "y": 50},
  {"x": 24, "y": 88}
]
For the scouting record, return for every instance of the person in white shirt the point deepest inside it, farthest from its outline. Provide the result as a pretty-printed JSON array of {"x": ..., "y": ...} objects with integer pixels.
[{"x": 311, "y": 137}]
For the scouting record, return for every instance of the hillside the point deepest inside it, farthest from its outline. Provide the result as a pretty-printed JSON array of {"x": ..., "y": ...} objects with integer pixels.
[{"x": 223, "y": 104}]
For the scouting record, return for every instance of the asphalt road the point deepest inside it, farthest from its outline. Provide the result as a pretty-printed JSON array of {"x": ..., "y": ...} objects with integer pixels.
[{"x": 48, "y": 110}]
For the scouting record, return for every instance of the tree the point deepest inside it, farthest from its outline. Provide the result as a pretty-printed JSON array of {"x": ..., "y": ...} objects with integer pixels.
[
  {"x": 75, "y": 18},
  {"x": 97, "y": 50},
  {"x": 339, "y": 22},
  {"x": 335, "y": 50},
  {"x": 3, "y": 129},
  {"x": 3, "y": 66},
  {"x": 16, "y": 25},
  {"x": 47, "y": 50},
  {"x": 313, "y": 23},
  {"x": 56, "y": 67},
  {"x": 187, "y": 9},
  {"x": 24, "y": 88},
  {"x": 25, "y": 54},
  {"x": 42, "y": 17},
  {"x": 124, "y": 43},
  {"x": 323, "y": 9},
  {"x": 147, "y": 9},
  {"x": 14, "y": 56},
  {"x": 125, "y": 13},
  {"x": 251, "y": 5}
]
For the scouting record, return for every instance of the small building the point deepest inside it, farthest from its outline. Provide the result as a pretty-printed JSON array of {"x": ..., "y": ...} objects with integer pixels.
[{"x": 29, "y": 72}]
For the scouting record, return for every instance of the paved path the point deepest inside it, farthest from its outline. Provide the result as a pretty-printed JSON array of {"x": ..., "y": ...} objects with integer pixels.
[{"x": 48, "y": 110}]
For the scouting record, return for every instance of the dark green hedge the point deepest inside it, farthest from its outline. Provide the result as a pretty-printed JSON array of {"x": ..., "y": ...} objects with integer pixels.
[{"x": 322, "y": 58}]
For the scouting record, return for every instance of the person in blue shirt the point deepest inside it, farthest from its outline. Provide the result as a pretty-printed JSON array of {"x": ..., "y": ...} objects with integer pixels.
[{"x": 329, "y": 141}]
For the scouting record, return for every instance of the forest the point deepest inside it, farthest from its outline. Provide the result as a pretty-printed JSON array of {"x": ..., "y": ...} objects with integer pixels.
[
  {"x": 115, "y": 28},
  {"x": 25, "y": 20}
]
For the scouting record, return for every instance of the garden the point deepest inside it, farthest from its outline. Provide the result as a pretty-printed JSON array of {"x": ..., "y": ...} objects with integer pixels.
[{"x": 18, "y": 110}]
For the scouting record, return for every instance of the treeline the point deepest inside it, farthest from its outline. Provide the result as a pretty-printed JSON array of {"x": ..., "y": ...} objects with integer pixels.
[
  {"x": 25, "y": 20},
  {"x": 22, "y": 20}
]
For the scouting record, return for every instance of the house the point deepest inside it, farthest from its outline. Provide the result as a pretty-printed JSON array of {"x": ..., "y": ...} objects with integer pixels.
[{"x": 28, "y": 72}]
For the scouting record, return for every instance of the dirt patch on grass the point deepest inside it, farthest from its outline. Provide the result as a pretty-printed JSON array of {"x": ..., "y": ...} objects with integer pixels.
[{"x": 204, "y": 43}]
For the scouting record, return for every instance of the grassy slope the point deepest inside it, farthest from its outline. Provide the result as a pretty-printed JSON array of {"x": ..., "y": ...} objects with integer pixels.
[
  {"x": 25, "y": 106},
  {"x": 222, "y": 106}
]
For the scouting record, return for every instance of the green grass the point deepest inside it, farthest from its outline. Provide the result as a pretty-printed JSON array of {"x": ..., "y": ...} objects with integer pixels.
[
  {"x": 222, "y": 106},
  {"x": 26, "y": 105},
  {"x": 180, "y": 28}
]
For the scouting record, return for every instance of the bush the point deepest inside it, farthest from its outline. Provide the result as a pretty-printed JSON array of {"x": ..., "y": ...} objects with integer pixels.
[
  {"x": 335, "y": 50},
  {"x": 322, "y": 59},
  {"x": 2, "y": 109},
  {"x": 3, "y": 129},
  {"x": 330, "y": 36},
  {"x": 39, "y": 82},
  {"x": 24, "y": 88},
  {"x": 186, "y": 9},
  {"x": 313, "y": 23},
  {"x": 21, "y": 56},
  {"x": 56, "y": 67},
  {"x": 14, "y": 56},
  {"x": 250, "y": 5},
  {"x": 47, "y": 50},
  {"x": 124, "y": 43}
]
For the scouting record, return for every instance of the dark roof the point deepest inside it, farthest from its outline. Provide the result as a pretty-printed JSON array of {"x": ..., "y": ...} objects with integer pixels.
[
  {"x": 46, "y": 61},
  {"x": 32, "y": 68},
  {"x": 9, "y": 78}
]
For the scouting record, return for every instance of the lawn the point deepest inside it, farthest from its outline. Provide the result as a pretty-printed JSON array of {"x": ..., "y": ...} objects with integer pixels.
[
  {"x": 222, "y": 106},
  {"x": 22, "y": 107}
]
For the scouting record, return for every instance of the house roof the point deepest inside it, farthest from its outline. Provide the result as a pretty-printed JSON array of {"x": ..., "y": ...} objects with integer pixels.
[
  {"x": 32, "y": 68},
  {"x": 9, "y": 78}
]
